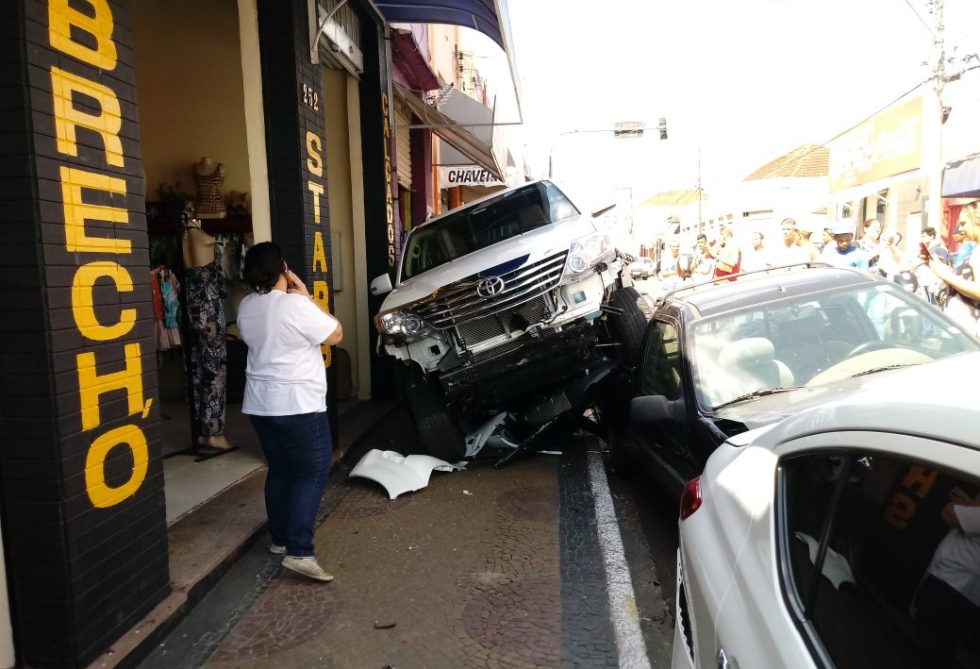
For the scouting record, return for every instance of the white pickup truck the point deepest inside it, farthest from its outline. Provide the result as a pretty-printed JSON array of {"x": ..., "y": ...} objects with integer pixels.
[{"x": 506, "y": 312}]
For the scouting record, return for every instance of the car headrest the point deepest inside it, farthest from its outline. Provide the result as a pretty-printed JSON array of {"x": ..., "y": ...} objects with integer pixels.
[{"x": 747, "y": 352}]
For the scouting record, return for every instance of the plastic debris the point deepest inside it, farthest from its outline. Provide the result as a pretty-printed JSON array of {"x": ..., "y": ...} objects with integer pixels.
[{"x": 399, "y": 473}]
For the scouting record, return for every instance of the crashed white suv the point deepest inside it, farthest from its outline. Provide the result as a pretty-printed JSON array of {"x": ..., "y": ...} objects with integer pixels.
[{"x": 511, "y": 305}]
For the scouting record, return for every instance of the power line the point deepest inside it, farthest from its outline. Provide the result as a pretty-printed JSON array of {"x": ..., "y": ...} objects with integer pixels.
[{"x": 921, "y": 20}]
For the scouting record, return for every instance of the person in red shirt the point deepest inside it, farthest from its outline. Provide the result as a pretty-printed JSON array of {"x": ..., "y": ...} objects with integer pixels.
[{"x": 730, "y": 257}]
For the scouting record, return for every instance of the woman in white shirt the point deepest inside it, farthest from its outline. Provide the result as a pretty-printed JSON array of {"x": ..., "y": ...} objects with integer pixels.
[{"x": 285, "y": 398}]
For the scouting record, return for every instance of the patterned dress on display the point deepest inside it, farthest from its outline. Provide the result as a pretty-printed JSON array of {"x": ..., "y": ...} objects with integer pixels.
[{"x": 204, "y": 288}]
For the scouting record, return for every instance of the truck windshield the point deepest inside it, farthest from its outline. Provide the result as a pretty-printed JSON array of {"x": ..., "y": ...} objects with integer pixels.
[{"x": 473, "y": 228}]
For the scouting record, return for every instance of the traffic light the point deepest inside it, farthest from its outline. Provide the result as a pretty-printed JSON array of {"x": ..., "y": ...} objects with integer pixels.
[{"x": 662, "y": 127}]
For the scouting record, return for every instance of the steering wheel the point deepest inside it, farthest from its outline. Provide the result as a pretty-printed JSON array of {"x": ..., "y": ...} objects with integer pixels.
[{"x": 869, "y": 346}]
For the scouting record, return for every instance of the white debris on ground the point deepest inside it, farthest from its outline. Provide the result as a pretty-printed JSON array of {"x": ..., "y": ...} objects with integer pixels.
[{"x": 399, "y": 473}]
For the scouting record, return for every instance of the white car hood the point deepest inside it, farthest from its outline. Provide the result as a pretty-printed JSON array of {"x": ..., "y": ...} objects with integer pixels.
[{"x": 536, "y": 245}]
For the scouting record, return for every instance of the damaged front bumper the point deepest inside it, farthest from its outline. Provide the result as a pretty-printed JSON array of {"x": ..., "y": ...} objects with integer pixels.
[{"x": 501, "y": 380}]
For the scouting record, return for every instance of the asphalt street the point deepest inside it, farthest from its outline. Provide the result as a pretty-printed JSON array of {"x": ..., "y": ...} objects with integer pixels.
[{"x": 550, "y": 561}]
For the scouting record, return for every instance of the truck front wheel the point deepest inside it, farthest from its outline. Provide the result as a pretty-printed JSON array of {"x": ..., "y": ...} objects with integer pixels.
[
  {"x": 439, "y": 431},
  {"x": 628, "y": 323}
]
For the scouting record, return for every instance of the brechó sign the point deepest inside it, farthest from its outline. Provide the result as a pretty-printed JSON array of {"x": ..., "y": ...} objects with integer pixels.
[
  {"x": 84, "y": 514},
  {"x": 467, "y": 175}
]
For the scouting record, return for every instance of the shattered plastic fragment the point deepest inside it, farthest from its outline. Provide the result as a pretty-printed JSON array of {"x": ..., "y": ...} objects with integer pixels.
[
  {"x": 835, "y": 566},
  {"x": 399, "y": 473}
]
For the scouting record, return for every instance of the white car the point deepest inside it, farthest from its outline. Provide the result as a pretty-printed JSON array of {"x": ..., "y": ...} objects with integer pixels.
[
  {"x": 845, "y": 536},
  {"x": 643, "y": 268}
]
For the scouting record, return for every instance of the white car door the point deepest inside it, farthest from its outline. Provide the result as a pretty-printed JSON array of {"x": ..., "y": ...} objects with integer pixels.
[{"x": 866, "y": 506}]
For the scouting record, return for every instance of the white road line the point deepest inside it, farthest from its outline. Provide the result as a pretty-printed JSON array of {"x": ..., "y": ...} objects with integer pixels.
[{"x": 619, "y": 585}]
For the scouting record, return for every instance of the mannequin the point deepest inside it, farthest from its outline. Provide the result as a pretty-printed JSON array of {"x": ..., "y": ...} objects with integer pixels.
[
  {"x": 204, "y": 290},
  {"x": 209, "y": 177}
]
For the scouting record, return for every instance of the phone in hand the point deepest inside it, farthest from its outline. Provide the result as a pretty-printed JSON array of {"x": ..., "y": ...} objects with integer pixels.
[{"x": 924, "y": 252}]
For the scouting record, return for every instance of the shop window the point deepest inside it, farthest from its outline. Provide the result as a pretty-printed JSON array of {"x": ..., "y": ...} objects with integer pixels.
[{"x": 862, "y": 539}]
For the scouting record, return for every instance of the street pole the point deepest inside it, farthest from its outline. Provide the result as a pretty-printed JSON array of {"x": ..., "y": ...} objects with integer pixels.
[
  {"x": 933, "y": 110},
  {"x": 700, "y": 221}
]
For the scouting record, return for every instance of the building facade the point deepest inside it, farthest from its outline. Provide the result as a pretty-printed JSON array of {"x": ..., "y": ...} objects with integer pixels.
[{"x": 110, "y": 108}]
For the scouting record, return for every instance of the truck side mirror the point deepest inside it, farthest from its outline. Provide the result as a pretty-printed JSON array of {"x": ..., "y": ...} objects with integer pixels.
[
  {"x": 654, "y": 408},
  {"x": 380, "y": 285}
]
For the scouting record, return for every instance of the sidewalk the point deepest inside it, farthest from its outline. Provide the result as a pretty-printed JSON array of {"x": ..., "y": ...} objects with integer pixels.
[{"x": 205, "y": 543}]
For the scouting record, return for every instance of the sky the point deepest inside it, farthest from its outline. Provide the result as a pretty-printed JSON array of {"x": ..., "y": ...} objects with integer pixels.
[{"x": 739, "y": 82}]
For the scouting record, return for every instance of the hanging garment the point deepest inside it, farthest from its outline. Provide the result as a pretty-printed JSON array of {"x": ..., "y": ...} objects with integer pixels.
[
  {"x": 204, "y": 291},
  {"x": 164, "y": 288},
  {"x": 171, "y": 304}
]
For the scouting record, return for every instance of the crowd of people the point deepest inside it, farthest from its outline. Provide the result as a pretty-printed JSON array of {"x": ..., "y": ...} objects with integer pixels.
[{"x": 945, "y": 277}]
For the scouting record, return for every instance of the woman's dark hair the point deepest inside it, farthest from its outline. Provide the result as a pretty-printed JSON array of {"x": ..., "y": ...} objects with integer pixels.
[{"x": 263, "y": 266}]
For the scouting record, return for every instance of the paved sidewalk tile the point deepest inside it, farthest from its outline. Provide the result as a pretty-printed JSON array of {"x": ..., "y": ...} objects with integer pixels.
[{"x": 464, "y": 573}]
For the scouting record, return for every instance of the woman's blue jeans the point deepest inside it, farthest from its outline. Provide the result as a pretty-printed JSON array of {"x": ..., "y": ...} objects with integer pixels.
[{"x": 298, "y": 450}]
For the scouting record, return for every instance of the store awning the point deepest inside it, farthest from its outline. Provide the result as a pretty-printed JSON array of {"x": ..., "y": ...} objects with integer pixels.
[
  {"x": 489, "y": 17},
  {"x": 961, "y": 178},
  {"x": 452, "y": 131},
  {"x": 414, "y": 64},
  {"x": 481, "y": 15}
]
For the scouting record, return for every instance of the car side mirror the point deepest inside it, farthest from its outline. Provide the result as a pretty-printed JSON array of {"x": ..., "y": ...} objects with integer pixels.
[
  {"x": 380, "y": 285},
  {"x": 654, "y": 408}
]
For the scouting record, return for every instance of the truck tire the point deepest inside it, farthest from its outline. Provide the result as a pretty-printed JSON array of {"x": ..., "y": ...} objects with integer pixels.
[
  {"x": 439, "y": 432},
  {"x": 627, "y": 323}
]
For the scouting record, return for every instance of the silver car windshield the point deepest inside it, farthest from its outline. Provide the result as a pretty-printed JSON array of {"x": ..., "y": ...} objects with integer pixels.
[
  {"x": 812, "y": 340},
  {"x": 491, "y": 222}
]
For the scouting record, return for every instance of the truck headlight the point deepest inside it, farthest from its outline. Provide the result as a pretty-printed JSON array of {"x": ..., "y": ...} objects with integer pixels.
[
  {"x": 399, "y": 322},
  {"x": 586, "y": 252}
]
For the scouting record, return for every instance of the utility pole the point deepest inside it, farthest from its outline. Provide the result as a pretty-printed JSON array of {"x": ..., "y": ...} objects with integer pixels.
[
  {"x": 700, "y": 220},
  {"x": 934, "y": 117}
]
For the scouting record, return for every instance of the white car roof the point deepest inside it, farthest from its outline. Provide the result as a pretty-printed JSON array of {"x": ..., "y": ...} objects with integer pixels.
[{"x": 938, "y": 400}]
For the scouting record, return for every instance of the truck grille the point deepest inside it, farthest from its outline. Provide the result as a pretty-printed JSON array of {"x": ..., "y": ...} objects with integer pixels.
[
  {"x": 460, "y": 304},
  {"x": 480, "y": 329}
]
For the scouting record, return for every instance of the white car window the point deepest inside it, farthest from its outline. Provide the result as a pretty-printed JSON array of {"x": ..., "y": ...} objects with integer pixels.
[{"x": 878, "y": 562}]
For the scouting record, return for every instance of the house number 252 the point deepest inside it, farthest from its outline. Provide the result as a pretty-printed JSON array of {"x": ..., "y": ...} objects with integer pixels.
[{"x": 311, "y": 98}]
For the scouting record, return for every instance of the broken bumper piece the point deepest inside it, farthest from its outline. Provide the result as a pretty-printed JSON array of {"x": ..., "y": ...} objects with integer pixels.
[{"x": 399, "y": 473}]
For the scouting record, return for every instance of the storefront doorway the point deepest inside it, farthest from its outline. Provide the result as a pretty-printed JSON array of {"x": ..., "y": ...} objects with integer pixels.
[{"x": 196, "y": 158}]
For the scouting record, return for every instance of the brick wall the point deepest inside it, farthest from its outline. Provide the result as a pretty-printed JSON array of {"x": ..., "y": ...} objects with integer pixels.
[{"x": 82, "y": 480}]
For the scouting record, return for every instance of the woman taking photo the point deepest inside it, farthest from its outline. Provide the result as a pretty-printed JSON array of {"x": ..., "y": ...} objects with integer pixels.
[
  {"x": 285, "y": 398},
  {"x": 963, "y": 305}
]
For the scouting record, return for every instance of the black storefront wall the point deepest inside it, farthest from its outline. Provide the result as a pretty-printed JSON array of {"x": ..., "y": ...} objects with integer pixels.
[
  {"x": 83, "y": 511},
  {"x": 380, "y": 213},
  {"x": 294, "y": 125},
  {"x": 296, "y": 156}
]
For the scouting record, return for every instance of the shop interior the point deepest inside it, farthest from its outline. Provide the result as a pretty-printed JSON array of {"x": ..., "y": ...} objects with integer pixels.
[{"x": 196, "y": 162}]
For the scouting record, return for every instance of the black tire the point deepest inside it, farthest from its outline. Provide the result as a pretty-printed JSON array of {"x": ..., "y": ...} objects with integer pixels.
[
  {"x": 627, "y": 323},
  {"x": 439, "y": 431}
]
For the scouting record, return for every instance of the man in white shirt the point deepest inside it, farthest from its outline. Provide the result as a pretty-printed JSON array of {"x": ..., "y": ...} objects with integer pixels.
[{"x": 947, "y": 604}]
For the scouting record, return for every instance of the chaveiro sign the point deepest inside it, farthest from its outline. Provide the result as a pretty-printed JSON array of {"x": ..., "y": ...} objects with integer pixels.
[{"x": 468, "y": 175}]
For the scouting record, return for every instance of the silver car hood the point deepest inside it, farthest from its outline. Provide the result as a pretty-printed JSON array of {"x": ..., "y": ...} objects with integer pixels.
[{"x": 536, "y": 245}]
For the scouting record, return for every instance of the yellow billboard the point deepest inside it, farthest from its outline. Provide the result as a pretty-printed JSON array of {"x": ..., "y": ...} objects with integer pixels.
[{"x": 890, "y": 143}]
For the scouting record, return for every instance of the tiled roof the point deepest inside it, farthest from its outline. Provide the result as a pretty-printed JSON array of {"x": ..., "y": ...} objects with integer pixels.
[
  {"x": 808, "y": 160},
  {"x": 671, "y": 198}
]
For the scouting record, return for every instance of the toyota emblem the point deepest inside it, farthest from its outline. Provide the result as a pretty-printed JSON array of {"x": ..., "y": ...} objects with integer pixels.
[{"x": 490, "y": 286}]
